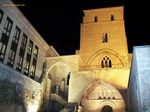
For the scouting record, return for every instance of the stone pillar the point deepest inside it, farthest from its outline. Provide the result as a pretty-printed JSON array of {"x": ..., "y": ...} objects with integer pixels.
[
  {"x": 62, "y": 86},
  {"x": 47, "y": 93},
  {"x": 57, "y": 89}
]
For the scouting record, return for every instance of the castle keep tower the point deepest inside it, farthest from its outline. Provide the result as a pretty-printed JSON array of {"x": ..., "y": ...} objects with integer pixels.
[
  {"x": 103, "y": 67},
  {"x": 103, "y": 37}
]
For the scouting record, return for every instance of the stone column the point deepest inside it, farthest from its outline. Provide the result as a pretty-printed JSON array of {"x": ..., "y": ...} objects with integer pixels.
[
  {"x": 62, "y": 86},
  {"x": 57, "y": 89},
  {"x": 47, "y": 92}
]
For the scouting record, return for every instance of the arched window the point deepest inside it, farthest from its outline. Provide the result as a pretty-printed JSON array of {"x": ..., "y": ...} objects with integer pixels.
[{"x": 106, "y": 62}]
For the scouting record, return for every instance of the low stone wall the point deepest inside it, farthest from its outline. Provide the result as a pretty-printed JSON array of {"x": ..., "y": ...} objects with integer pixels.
[{"x": 18, "y": 93}]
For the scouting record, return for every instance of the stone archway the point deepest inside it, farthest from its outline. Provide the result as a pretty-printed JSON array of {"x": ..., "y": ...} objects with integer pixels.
[
  {"x": 101, "y": 96},
  {"x": 107, "y": 108},
  {"x": 58, "y": 73}
]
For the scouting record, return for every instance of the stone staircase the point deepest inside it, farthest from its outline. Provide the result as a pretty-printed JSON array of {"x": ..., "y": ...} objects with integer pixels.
[
  {"x": 70, "y": 107},
  {"x": 59, "y": 99}
]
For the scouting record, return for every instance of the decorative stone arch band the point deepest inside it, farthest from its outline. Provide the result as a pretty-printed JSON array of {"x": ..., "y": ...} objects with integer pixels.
[
  {"x": 100, "y": 94},
  {"x": 108, "y": 51}
]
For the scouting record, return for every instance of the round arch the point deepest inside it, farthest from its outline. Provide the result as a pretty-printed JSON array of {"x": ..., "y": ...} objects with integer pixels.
[
  {"x": 107, "y": 105},
  {"x": 57, "y": 64},
  {"x": 59, "y": 74},
  {"x": 100, "y": 94},
  {"x": 107, "y": 108}
]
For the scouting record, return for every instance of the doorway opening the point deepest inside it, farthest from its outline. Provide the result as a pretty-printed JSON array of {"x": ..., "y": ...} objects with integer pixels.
[{"x": 107, "y": 108}]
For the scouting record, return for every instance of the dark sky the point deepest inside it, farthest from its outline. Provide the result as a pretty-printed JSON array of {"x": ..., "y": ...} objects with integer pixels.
[{"x": 58, "y": 21}]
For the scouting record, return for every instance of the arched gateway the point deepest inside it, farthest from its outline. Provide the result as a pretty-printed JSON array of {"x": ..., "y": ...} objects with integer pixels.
[
  {"x": 101, "y": 97},
  {"x": 107, "y": 108}
]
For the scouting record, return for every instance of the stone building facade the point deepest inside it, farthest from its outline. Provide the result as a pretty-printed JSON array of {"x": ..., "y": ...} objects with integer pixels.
[
  {"x": 95, "y": 79},
  {"x": 22, "y": 61},
  {"x": 98, "y": 73},
  {"x": 103, "y": 48},
  {"x": 139, "y": 86}
]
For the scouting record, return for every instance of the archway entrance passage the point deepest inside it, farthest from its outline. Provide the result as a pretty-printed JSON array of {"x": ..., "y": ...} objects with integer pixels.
[
  {"x": 59, "y": 74},
  {"x": 107, "y": 108}
]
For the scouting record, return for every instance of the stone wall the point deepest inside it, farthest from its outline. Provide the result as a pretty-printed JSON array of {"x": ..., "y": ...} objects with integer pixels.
[
  {"x": 81, "y": 80},
  {"x": 139, "y": 85},
  {"x": 18, "y": 93}
]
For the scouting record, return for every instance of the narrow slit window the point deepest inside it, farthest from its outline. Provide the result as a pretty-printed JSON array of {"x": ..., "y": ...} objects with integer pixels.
[
  {"x": 112, "y": 17},
  {"x": 95, "y": 19},
  {"x": 104, "y": 37},
  {"x": 68, "y": 78}
]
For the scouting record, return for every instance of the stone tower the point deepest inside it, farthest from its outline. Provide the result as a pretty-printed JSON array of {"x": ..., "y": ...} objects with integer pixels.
[
  {"x": 95, "y": 79},
  {"x": 103, "y": 34},
  {"x": 104, "y": 62}
]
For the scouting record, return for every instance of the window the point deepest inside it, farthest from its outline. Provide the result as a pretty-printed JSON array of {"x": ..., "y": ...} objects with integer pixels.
[
  {"x": 35, "y": 53},
  {"x": 68, "y": 78},
  {"x": 32, "y": 74},
  {"x": 28, "y": 58},
  {"x": 7, "y": 27},
  {"x": 112, "y": 17},
  {"x": 106, "y": 62},
  {"x": 33, "y": 67},
  {"x": 30, "y": 47},
  {"x": 5, "y": 37},
  {"x": 26, "y": 69},
  {"x": 104, "y": 37},
  {"x": 1, "y": 15},
  {"x": 21, "y": 52},
  {"x": 13, "y": 47},
  {"x": 95, "y": 19}
]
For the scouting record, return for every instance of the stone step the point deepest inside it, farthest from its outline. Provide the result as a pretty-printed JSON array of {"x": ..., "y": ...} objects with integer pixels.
[{"x": 59, "y": 99}]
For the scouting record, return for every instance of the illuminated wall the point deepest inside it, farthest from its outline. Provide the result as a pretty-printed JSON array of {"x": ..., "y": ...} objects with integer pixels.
[
  {"x": 103, "y": 56},
  {"x": 139, "y": 86},
  {"x": 103, "y": 31},
  {"x": 22, "y": 59}
]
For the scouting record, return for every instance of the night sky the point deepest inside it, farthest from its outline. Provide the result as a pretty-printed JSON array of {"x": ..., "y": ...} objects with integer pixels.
[{"x": 58, "y": 21}]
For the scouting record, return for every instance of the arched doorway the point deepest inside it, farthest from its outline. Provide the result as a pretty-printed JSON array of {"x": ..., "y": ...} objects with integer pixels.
[
  {"x": 107, "y": 108},
  {"x": 104, "y": 98}
]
